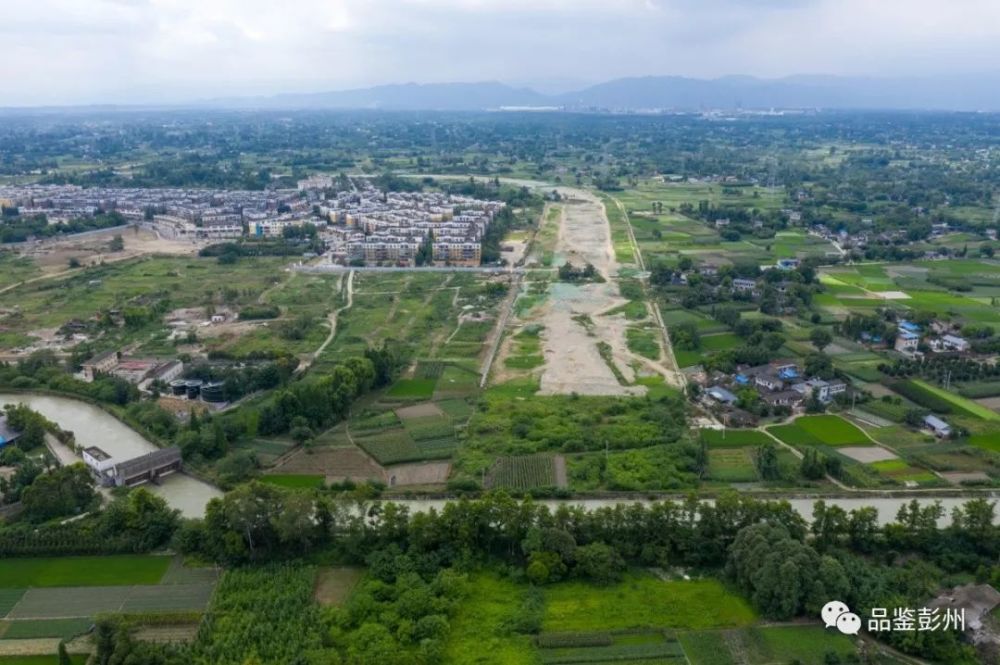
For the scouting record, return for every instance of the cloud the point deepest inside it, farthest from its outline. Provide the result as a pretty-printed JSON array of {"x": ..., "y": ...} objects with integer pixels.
[{"x": 156, "y": 50}]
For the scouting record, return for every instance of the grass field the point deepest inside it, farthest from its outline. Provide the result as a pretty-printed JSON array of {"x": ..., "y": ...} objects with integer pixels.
[
  {"x": 64, "y": 629},
  {"x": 808, "y": 645},
  {"x": 642, "y": 601},
  {"x": 40, "y": 660},
  {"x": 731, "y": 465},
  {"x": 293, "y": 481},
  {"x": 733, "y": 438},
  {"x": 478, "y": 631},
  {"x": 86, "y": 601},
  {"x": 118, "y": 570},
  {"x": 821, "y": 430},
  {"x": 412, "y": 389}
]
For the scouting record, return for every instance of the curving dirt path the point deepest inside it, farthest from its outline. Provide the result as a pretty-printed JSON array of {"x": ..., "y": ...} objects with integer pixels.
[{"x": 332, "y": 319}]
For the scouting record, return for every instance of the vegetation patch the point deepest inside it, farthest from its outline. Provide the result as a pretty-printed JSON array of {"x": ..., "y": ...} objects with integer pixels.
[
  {"x": 489, "y": 625},
  {"x": 643, "y": 341},
  {"x": 522, "y": 473},
  {"x": 118, "y": 570},
  {"x": 412, "y": 389},
  {"x": 294, "y": 481},
  {"x": 733, "y": 438},
  {"x": 642, "y": 601},
  {"x": 31, "y": 629}
]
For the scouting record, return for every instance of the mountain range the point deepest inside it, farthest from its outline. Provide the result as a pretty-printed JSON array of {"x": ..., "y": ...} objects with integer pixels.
[{"x": 953, "y": 93}]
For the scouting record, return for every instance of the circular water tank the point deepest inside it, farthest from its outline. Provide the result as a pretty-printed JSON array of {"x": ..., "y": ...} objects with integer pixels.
[
  {"x": 213, "y": 392},
  {"x": 194, "y": 388},
  {"x": 178, "y": 387}
]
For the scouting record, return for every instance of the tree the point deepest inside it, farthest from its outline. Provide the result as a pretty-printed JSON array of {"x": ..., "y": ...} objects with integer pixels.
[
  {"x": 599, "y": 562},
  {"x": 64, "y": 658},
  {"x": 68, "y": 490},
  {"x": 117, "y": 244},
  {"x": 820, "y": 338},
  {"x": 766, "y": 461}
]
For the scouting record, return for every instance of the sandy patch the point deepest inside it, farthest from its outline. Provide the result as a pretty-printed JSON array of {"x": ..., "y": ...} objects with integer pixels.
[
  {"x": 419, "y": 411},
  {"x": 867, "y": 454},
  {"x": 892, "y": 295},
  {"x": 53, "y": 254},
  {"x": 573, "y": 363},
  {"x": 420, "y": 473}
]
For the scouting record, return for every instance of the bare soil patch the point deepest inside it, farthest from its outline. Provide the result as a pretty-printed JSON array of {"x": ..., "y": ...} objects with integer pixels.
[
  {"x": 958, "y": 477},
  {"x": 334, "y": 585},
  {"x": 867, "y": 454},
  {"x": 419, "y": 411},
  {"x": 559, "y": 466},
  {"x": 420, "y": 473},
  {"x": 572, "y": 360}
]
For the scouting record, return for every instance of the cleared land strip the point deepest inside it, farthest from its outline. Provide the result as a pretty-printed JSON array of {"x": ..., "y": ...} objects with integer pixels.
[{"x": 72, "y": 602}]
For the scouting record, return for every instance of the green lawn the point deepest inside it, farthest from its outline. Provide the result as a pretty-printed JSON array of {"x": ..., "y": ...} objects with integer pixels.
[
  {"x": 826, "y": 430},
  {"x": 294, "y": 481},
  {"x": 117, "y": 570},
  {"x": 413, "y": 389},
  {"x": 643, "y": 601}
]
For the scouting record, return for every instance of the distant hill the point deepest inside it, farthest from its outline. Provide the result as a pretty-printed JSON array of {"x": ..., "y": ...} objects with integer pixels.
[
  {"x": 408, "y": 96},
  {"x": 955, "y": 93}
]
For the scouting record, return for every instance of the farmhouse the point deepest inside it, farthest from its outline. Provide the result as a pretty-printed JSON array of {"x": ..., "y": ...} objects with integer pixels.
[{"x": 938, "y": 426}]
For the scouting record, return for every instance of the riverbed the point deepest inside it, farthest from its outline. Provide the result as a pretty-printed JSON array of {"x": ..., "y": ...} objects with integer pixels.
[{"x": 94, "y": 427}]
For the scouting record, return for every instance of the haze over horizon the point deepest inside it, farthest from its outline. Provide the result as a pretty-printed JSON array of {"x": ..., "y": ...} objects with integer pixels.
[{"x": 59, "y": 52}]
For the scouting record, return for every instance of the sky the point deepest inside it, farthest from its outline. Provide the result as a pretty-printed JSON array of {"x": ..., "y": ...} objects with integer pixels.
[{"x": 155, "y": 51}]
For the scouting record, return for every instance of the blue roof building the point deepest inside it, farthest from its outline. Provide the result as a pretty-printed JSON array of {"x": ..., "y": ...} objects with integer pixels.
[
  {"x": 7, "y": 435},
  {"x": 909, "y": 326}
]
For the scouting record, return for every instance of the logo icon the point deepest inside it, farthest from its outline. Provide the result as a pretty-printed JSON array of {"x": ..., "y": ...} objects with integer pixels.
[{"x": 838, "y": 614}]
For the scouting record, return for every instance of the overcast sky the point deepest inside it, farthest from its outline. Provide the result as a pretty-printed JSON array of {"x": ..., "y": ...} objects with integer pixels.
[{"x": 97, "y": 51}]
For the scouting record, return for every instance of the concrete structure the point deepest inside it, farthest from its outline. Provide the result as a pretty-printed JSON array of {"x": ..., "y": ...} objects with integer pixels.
[
  {"x": 148, "y": 468},
  {"x": 100, "y": 364},
  {"x": 98, "y": 461},
  {"x": 722, "y": 395}
]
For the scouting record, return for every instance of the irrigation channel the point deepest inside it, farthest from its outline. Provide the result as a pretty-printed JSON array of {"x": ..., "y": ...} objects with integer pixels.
[{"x": 93, "y": 427}]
